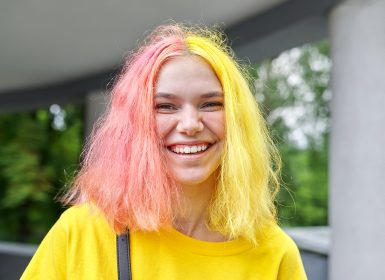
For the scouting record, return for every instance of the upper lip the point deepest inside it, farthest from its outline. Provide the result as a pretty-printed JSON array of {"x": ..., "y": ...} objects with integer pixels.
[{"x": 189, "y": 143}]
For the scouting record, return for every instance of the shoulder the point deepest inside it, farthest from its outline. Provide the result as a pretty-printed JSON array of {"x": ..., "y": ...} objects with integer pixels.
[
  {"x": 84, "y": 217},
  {"x": 280, "y": 243},
  {"x": 81, "y": 233},
  {"x": 79, "y": 213},
  {"x": 276, "y": 237}
]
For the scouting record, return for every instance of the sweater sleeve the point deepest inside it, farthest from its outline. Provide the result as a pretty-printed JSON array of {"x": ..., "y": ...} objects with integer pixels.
[
  {"x": 50, "y": 259},
  {"x": 291, "y": 267}
]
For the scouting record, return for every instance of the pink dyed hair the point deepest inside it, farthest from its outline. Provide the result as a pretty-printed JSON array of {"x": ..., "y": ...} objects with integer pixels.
[{"x": 123, "y": 173}]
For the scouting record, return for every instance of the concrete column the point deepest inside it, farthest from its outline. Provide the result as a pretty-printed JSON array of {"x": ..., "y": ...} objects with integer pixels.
[
  {"x": 357, "y": 165},
  {"x": 95, "y": 106}
]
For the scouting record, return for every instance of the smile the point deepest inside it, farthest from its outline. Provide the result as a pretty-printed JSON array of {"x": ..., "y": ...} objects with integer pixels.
[{"x": 189, "y": 149}]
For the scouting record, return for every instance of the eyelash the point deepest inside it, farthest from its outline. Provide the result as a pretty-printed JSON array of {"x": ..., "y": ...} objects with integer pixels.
[
  {"x": 213, "y": 104},
  {"x": 164, "y": 106},
  {"x": 168, "y": 107}
]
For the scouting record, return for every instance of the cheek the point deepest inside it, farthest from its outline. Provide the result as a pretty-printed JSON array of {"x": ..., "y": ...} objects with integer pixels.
[
  {"x": 217, "y": 124},
  {"x": 164, "y": 124}
]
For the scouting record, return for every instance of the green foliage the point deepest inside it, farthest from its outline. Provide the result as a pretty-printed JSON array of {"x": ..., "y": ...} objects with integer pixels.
[
  {"x": 293, "y": 91},
  {"x": 33, "y": 157}
]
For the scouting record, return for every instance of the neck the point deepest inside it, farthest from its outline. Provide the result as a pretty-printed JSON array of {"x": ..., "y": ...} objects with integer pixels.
[{"x": 196, "y": 201}]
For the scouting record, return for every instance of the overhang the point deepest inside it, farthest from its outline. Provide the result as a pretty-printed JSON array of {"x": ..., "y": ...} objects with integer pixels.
[{"x": 56, "y": 52}]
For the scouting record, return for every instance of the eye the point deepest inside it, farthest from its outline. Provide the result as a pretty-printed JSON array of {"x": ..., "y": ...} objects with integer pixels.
[
  {"x": 165, "y": 107},
  {"x": 212, "y": 106}
]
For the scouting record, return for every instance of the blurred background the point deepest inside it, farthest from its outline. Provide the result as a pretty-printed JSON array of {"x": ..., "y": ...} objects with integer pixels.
[{"x": 319, "y": 77}]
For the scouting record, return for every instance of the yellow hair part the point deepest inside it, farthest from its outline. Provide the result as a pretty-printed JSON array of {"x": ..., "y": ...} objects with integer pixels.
[{"x": 243, "y": 204}]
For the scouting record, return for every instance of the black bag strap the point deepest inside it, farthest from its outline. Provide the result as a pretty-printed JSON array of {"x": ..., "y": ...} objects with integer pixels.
[{"x": 123, "y": 256}]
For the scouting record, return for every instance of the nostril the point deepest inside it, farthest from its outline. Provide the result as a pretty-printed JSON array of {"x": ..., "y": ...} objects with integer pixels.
[{"x": 190, "y": 127}]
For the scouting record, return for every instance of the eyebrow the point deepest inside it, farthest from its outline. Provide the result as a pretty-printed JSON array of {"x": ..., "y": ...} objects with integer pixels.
[{"x": 174, "y": 96}]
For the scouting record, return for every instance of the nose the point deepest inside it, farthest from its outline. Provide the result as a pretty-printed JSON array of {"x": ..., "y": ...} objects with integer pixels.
[{"x": 190, "y": 121}]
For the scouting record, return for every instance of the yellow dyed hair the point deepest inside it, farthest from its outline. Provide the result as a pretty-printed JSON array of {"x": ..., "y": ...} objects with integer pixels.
[
  {"x": 243, "y": 203},
  {"x": 126, "y": 145}
]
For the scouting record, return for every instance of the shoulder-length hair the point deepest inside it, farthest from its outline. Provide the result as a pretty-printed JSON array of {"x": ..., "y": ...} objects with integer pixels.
[{"x": 123, "y": 172}]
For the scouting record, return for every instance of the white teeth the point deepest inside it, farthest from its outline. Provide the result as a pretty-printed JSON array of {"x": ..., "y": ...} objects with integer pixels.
[{"x": 189, "y": 149}]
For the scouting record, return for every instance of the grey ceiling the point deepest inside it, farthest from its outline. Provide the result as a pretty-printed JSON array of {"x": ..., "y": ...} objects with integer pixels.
[{"x": 47, "y": 41}]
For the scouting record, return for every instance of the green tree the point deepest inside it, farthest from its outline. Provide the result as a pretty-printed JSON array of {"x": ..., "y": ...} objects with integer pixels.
[
  {"x": 35, "y": 151},
  {"x": 293, "y": 90}
]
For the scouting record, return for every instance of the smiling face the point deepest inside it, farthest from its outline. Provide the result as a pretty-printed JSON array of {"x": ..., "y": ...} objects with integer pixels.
[{"x": 190, "y": 119}]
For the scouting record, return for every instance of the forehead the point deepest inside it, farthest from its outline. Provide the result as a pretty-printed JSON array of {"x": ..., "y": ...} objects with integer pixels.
[{"x": 187, "y": 72}]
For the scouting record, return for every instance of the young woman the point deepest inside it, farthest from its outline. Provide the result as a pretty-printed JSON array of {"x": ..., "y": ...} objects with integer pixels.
[{"x": 183, "y": 161}]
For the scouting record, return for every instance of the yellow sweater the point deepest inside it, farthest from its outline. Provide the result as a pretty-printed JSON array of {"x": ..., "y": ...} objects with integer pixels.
[{"x": 81, "y": 245}]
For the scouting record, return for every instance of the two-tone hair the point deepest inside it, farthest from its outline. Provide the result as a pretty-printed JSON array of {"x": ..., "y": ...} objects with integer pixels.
[{"x": 123, "y": 172}]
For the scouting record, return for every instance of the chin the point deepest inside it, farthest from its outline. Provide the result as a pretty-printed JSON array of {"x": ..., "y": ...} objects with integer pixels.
[{"x": 192, "y": 179}]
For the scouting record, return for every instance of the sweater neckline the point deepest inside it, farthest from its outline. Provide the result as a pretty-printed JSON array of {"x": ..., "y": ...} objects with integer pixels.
[{"x": 232, "y": 247}]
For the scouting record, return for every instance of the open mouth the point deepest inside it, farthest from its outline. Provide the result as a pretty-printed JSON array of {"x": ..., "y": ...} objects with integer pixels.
[{"x": 189, "y": 149}]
